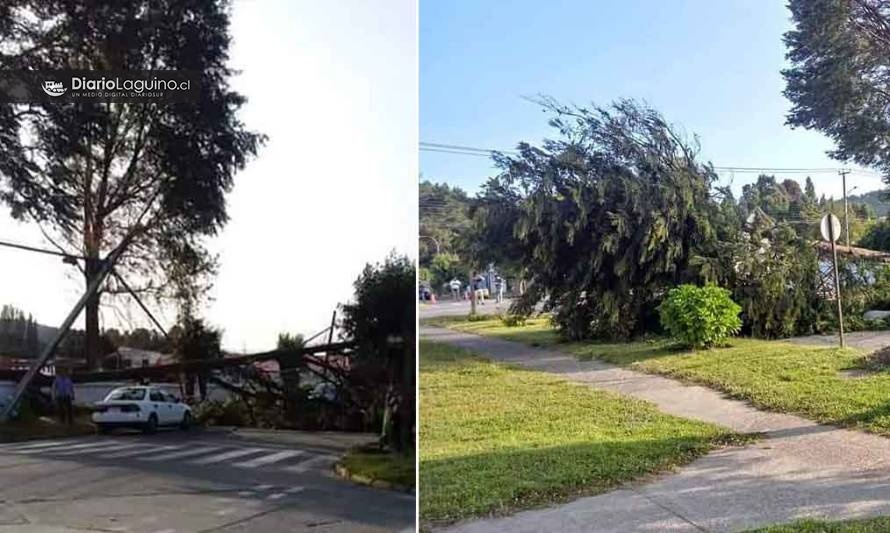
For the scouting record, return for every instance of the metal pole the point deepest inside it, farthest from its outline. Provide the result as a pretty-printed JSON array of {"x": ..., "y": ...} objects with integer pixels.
[
  {"x": 472, "y": 292},
  {"x": 837, "y": 283},
  {"x": 141, "y": 305},
  {"x": 843, "y": 174}
]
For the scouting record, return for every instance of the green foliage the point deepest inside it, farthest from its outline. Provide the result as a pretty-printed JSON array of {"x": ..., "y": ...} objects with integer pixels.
[
  {"x": 608, "y": 216},
  {"x": 514, "y": 321},
  {"x": 877, "y": 237},
  {"x": 195, "y": 340},
  {"x": 700, "y": 317},
  {"x": 381, "y": 321},
  {"x": 230, "y": 412},
  {"x": 444, "y": 216},
  {"x": 774, "y": 276},
  {"x": 476, "y": 317},
  {"x": 839, "y": 76},
  {"x": 18, "y": 333},
  {"x": 445, "y": 267}
]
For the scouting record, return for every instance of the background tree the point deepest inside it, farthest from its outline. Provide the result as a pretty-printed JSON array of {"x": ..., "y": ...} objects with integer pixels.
[
  {"x": 839, "y": 78},
  {"x": 610, "y": 215},
  {"x": 196, "y": 341},
  {"x": 443, "y": 217},
  {"x": 492, "y": 238},
  {"x": 290, "y": 368},
  {"x": 85, "y": 171},
  {"x": 382, "y": 312}
]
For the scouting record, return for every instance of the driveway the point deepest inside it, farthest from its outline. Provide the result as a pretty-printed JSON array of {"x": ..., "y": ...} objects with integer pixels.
[{"x": 866, "y": 340}]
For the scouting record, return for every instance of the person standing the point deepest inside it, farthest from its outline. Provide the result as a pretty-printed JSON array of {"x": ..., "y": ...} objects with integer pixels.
[
  {"x": 63, "y": 395},
  {"x": 455, "y": 289},
  {"x": 479, "y": 288}
]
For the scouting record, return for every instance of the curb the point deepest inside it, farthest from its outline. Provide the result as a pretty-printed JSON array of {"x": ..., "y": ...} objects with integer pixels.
[{"x": 343, "y": 472}]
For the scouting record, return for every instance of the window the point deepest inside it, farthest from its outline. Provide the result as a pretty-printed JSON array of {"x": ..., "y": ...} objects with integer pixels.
[
  {"x": 126, "y": 393},
  {"x": 156, "y": 396}
]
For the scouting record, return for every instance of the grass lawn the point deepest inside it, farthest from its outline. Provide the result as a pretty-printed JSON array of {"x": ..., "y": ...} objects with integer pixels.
[
  {"x": 495, "y": 439},
  {"x": 870, "y": 525},
  {"x": 378, "y": 465},
  {"x": 773, "y": 375}
]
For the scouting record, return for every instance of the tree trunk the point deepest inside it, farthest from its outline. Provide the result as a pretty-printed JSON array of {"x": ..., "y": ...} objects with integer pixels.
[{"x": 92, "y": 316}]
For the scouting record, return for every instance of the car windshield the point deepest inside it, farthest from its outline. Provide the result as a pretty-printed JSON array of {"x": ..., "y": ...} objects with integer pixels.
[{"x": 126, "y": 394}]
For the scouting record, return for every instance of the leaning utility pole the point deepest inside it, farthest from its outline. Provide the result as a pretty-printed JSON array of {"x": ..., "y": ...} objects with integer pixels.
[
  {"x": 49, "y": 349},
  {"x": 843, "y": 173},
  {"x": 104, "y": 270}
]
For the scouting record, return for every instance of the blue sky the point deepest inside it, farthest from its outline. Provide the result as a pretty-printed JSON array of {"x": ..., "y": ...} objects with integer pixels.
[{"x": 711, "y": 67}]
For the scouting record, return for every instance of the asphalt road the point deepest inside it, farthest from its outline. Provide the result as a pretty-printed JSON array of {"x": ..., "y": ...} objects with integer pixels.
[
  {"x": 447, "y": 307},
  {"x": 173, "y": 482}
]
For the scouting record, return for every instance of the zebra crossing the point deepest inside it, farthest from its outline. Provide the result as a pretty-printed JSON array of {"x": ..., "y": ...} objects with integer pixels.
[{"x": 246, "y": 456}]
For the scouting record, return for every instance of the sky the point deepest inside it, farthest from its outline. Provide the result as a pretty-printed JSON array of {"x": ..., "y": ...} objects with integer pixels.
[
  {"x": 334, "y": 86},
  {"x": 711, "y": 68}
]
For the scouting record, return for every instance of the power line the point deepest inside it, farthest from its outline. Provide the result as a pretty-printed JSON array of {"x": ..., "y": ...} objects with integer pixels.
[
  {"x": 29, "y": 248},
  {"x": 458, "y": 149}
]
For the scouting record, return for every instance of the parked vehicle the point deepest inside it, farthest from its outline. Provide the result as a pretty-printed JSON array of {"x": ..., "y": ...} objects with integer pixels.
[{"x": 140, "y": 407}]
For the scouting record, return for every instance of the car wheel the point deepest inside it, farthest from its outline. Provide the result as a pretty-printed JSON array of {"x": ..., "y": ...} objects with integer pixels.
[
  {"x": 152, "y": 425},
  {"x": 102, "y": 429},
  {"x": 186, "y": 423}
]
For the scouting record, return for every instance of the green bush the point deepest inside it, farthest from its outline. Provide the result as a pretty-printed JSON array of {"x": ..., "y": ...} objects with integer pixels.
[
  {"x": 514, "y": 321},
  {"x": 700, "y": 317}
]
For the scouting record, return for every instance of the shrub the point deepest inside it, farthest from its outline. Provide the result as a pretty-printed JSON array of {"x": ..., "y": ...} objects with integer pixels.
[
  {"x": 477, "y": 317},
  {"x": 514, "y": 321},
  {"x": 700, "y": 317}
]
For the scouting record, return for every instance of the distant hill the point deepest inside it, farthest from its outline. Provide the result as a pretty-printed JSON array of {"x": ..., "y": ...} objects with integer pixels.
[{"x": 875, "y": 199}]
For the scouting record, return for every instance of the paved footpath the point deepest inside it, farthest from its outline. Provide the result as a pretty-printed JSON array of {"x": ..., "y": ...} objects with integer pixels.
[{"x": 800, "y": 469}]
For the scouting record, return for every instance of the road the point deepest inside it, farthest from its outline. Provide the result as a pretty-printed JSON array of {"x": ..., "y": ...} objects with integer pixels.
[
  {"x": 198, "y": 481},
  {"x": 447, "y": 307}
]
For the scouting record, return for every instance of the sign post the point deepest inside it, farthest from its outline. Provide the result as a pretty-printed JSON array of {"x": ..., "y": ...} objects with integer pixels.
[{"x": 830, "y": 228}]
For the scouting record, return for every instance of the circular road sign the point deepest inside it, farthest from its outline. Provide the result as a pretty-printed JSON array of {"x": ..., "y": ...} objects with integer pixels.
[{"x": 835, "y": 227}]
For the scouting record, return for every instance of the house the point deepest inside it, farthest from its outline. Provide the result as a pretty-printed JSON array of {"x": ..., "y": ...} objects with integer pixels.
[{"x": 126, "y": 357}]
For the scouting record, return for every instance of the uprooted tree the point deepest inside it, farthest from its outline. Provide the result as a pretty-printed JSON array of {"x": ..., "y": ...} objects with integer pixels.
[
  {"x": 607, "y": 217},
  {"x": 85, "y": 171}
]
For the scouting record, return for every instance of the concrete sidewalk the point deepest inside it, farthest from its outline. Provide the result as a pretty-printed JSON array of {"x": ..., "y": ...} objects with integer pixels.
[{"x": 800, "y": 469}]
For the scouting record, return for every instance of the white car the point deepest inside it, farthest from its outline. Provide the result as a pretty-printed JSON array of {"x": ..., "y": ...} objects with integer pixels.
[{"x": 142, "y": 407}]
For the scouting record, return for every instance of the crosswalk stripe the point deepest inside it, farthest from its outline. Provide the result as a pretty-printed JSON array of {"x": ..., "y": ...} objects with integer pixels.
[
  {"x": 60, "y": 447},
  {"x": 304, "y": 466},
  {"x": 230, "y": 455},
  {"x": 141, "y": 449},
  {"x": 15, "y": 447},
  {"x": 268, "y": 459},
  {"x": 98, "y": 448},
  {"x": 179, "y": 455}
]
